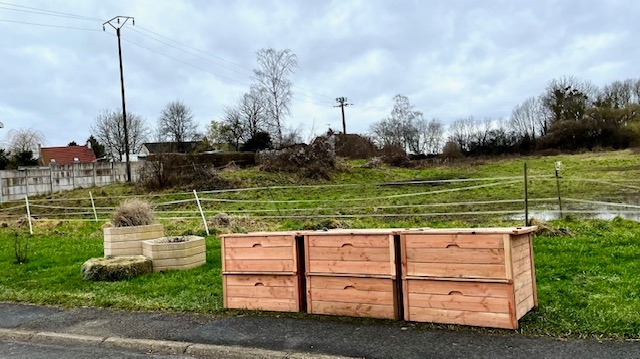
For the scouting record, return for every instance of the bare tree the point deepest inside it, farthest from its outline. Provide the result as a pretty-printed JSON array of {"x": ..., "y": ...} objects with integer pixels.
[
  {"x": 567, "y": 98},
  {"x": 461, "y": 131},
  {"x": 233, "y": 130},
  {"x": 252, "y": 111},
  {"x": 529, "y": 119},
  {"x": 108, "y": 129},
  {"x": 177, "y": 123},
  {"x": 402, "y": 127},
  {"x": 274, "y": 86},
  {"x": 24, "y": 140},
  {"x": 433, "y": 137}
]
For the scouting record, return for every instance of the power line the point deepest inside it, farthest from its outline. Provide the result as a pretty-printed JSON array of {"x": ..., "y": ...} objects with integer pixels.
[
  {"x": 46, "y": 14},
  {"x": 222, "y": 59},
  {"x": 52, "y": 12},
  {"x": 49, "y": 25}
]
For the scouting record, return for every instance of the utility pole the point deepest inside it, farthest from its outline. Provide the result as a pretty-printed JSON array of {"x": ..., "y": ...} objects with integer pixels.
[
  {"x": 119, "y": 23},
  {"x": 342, "y": 102}
]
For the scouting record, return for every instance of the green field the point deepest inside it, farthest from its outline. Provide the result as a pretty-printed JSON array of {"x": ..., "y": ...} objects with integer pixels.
[{"x": 586, "y": 269}]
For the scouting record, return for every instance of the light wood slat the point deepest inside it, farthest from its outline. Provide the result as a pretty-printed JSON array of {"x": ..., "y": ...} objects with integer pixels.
[
  {"x": 241, "y": 253},
  {"x": 349, "y": 253},
  {"x": 477, "y": 289},
  {"x": 350, "y": 267},
  {"x": 482, "y": 319},
  {"x": 263, "y": 241},
  {"x": 353, "y": 309},
  {"x": 372, "y": 284},
  {"x": 260, "y": 291},
  {"x": 460, "y": 302},
  {"x": 456, "y": 255},
  {"x": 267, "y": 280},
  {"x": 360, "y": 240},
  {"x": 463, "y": 241},
  {"x": 280, "y": 305},
  {"x": 453, "y": 270},
  {"x": 254, "y": 265}
]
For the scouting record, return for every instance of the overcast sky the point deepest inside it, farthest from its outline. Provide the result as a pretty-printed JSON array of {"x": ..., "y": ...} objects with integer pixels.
[{"x": 452, "y": 58}]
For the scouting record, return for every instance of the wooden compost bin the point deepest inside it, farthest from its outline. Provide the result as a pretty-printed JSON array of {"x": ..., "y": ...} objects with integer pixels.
[
  {"x": 260, "y": 271},
  {"x": 479, "y": 277},
  {"x": 352, "y": 273},
  {"x": 165, "y": 255}
]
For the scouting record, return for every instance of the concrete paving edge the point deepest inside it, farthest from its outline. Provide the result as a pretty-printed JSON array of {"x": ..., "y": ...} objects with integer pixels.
[{"x": 165, "y": 347}]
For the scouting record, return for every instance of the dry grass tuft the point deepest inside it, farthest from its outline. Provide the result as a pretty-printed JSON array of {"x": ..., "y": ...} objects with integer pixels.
[{"x": 132, "y": 212}]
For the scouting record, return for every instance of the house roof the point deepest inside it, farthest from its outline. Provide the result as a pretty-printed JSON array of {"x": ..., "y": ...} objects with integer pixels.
[
  {"x": 172, "y": 147},
  {"x": 66, "y": 155}
]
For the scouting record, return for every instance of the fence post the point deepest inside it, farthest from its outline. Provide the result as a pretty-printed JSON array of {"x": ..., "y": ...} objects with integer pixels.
[
  {"x": 526, "y": 197},
  {"x": 94, "y": 173},
  {"x": 26, "y": 200},
  {"x": 1, "y": 195},
  {"x": 26, "y": 182},
  {"x": 204, "y": 219},
  {"x": 51, "y": 177},
  {"x": 557, "y": 166},
  {"x": 93, "y": 205}
]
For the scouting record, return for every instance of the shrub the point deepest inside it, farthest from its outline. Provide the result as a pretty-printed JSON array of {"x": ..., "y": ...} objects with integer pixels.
[{"x": 132, "y": 212}]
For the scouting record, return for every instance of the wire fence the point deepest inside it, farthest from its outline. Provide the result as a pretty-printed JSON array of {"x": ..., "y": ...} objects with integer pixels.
[{"x": 469, "y": 199}]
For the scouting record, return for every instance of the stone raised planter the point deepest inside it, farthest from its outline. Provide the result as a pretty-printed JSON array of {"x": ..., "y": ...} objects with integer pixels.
[
  {"x": 180, "y": 253},
  {"x": 127, "y": 241}
]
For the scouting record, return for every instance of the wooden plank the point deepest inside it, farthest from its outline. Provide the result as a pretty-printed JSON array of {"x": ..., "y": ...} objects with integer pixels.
[
  {"x": 456, "y": 255},
  {"x": 253, "y": 265},
  {"x": 460, "y": 302},
  {"x": 494, "y": 230},
  {"x": 464, "y": 241},
  {"x": 364, "y": 284},
  {"x": 533, "y": 272},
  {"x": 222, "y": 254},
  {"x": 522, "y": 265},
  {"x": 241, "y": 253},
  {"x": 508, "y": 256},
  {"x": 349, "y": 253},
  {"x": 521, "y": 279},
  {"x": 482, "y": 319},
  {"x": 280, "y": 305},
  {"x": 261, "y": 291},
  {"x": 359, "y": 240},
  {"x": 476, "y": 289},
  {"x": 262, "y": 241},
  {"x": 350, "y": 294},
  {"x": 224, "y": 292},
  {"x": 349, "y": 267},
  {"x": 353, "y": 309},
  {"x": 392, "y": 257},
  {"x": 524, "y": 307},
  {"x": 523, "y": 293},
  {"x": 266, "y": 280},
  {"x": 453, "y": 270}
]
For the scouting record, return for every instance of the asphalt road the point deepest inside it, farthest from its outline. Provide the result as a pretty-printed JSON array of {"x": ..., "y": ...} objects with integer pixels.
[
  {"x": 22, "y": 350},
  {"x": 310, "y": 334}
]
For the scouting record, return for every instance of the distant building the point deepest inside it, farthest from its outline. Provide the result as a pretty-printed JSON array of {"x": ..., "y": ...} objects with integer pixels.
[
  {"x": 66, "y": 155},
  {"x": 154, "y": 148}
]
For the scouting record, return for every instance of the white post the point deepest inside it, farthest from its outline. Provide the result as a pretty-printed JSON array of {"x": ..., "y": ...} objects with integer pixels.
[
  {"x": 26, "y": 199},
  {"x": 93, "y": 205},
  {"x": 204, "y": 220}
]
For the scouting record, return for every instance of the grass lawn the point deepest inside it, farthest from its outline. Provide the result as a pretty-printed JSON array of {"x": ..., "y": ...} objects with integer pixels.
[{"x": 588, "y": 283}]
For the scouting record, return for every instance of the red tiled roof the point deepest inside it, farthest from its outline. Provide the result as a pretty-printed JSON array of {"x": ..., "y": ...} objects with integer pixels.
[{"x": 65, "y": 155}]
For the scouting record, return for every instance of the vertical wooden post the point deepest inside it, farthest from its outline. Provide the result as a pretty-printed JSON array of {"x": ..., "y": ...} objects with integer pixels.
[
  {"x": 204, "y": 219},
  {"x": 26, "y": 200},
  {"x": 526, "y": 197},
  {"x": 93, "y": 205},
  {"x": 94, "y": 173},
  {"x": 26, "y": 182},
  {"x": 558, "y": 187}
]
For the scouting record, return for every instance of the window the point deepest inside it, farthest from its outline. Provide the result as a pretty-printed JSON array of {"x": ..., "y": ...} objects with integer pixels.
[
  {"x": 76, "y": 159},
  {"x": 53, "y": 160}
]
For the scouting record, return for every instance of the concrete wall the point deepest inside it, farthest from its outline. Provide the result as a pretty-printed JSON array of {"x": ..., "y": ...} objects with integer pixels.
[{"x": 16, "y": 184}]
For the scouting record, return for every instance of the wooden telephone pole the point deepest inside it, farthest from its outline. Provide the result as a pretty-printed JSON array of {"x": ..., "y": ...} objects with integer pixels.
[
  {"x": 342, "y": 103},
  {"x": 119, "y": 23}
]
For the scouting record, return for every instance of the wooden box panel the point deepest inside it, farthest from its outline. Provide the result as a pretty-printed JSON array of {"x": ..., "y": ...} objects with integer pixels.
[
  {"x": 351, "y": 296},
  {"x": 352, "y": 254},
  {"x": 466, "y": 303},
  {"x": 524, "y": 280},
  {"x": 259, "y": 253},
  {"x": 454, "y": 255},
  {"x": 261, "y": 292}
]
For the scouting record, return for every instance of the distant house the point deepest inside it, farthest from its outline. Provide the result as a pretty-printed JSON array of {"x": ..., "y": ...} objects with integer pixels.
[
  {"x": 154, "y": 148},
  {"x": 66, "y": 155}
]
